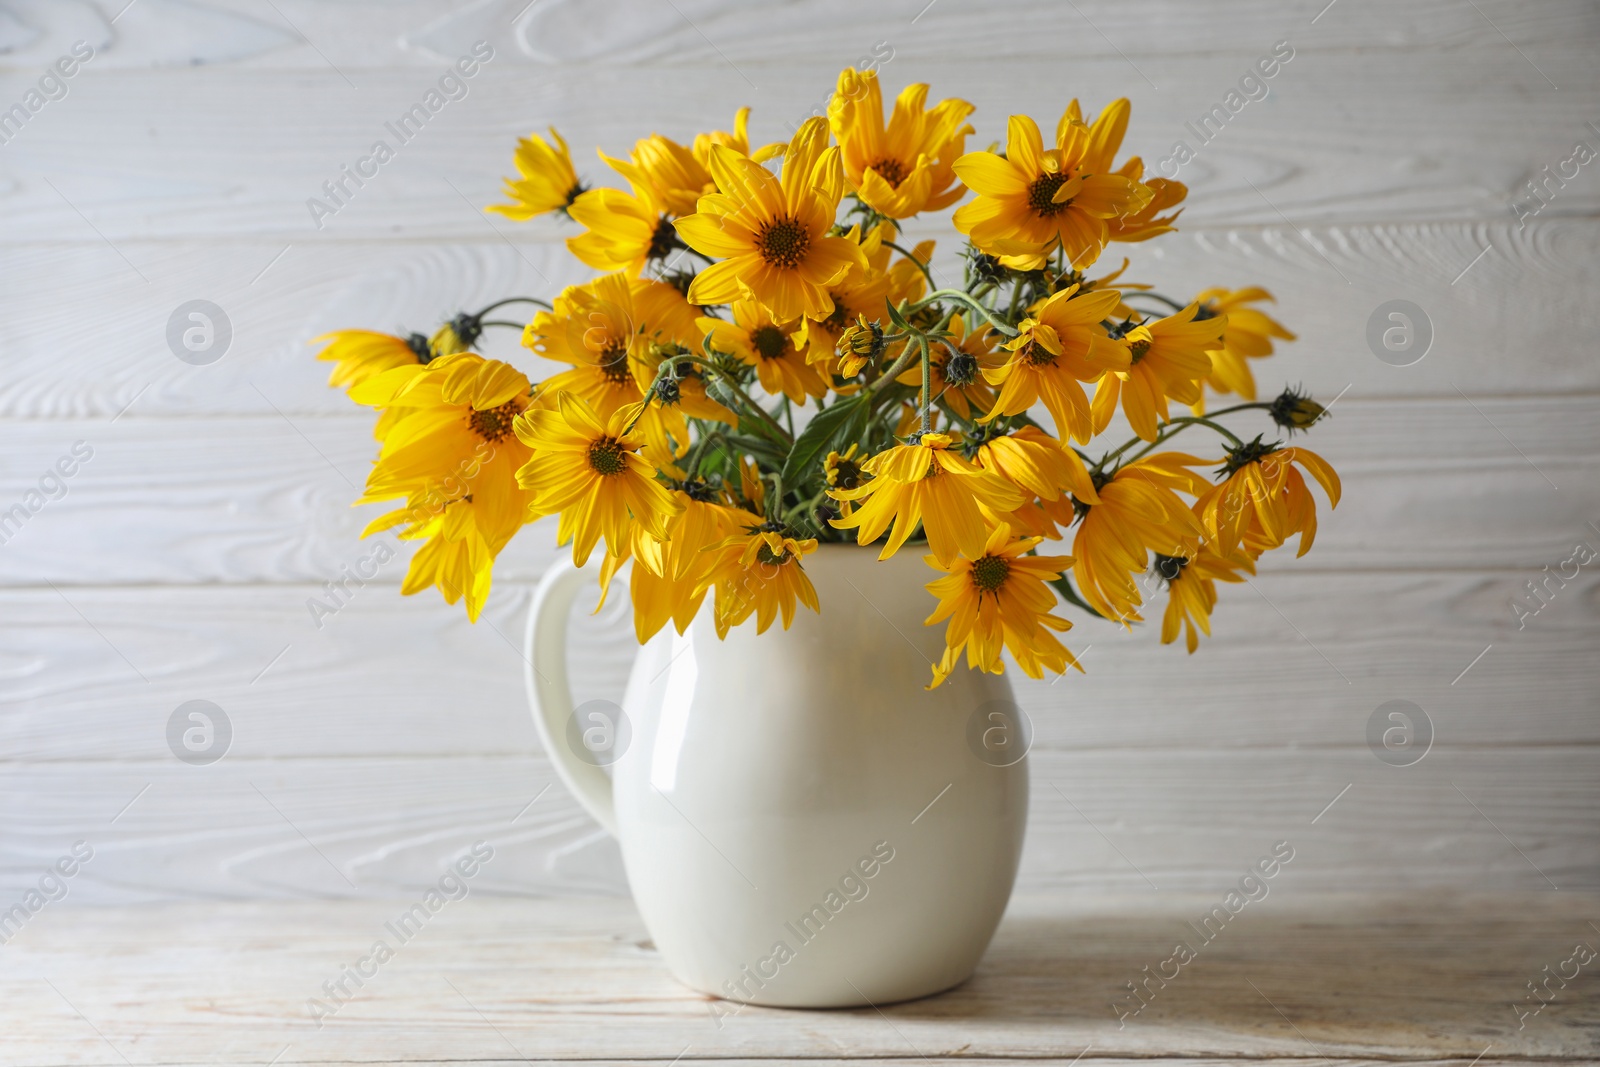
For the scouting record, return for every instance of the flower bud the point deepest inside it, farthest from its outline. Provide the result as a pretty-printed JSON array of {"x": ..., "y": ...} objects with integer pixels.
[
  {"x": 861, "y": 343},
  {"x": 1295, "y": 412}
]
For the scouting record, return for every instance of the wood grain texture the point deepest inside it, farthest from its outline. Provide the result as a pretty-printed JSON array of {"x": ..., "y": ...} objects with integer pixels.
[
  {"x": 1515, "y": 323},
  {"x": 1299, "y": 977},
  {"x": 1134, "y": 821},
  {"x": 421, "y": 33},
  {"x": 1382, "y": 165},
  {"x": 237, "y": 151},
  {"x": 94, "y": 674}
]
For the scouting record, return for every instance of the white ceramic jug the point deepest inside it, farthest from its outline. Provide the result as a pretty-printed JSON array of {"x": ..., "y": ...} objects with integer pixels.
[{"x": 802, "y": 824}]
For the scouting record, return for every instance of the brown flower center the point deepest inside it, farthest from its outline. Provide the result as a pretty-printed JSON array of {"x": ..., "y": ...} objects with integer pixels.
[
  {"x": 768, "y": 341},
  {"x": 989, "y": 573},
  {"x": 1040, "y": 192},
  {"x": 838, "y": 318},
  {"x": 783, "y": 242},
  {"x": 1036, "y": 354},
  {"x": 844, "y": 474},
  {"x": 890, "y": 170},
  {"x": 613, "y": 363},
  {"x": 1137, "y": 350},
  {"x": 1170, "y": 567},
  {"x": 663, "y": 239},
  {"x": 494, "y": 424},
  {"x": 606, "y": 456}
]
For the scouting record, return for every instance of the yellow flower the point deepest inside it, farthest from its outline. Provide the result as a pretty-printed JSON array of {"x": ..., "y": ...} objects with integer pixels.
[
  {"x": 589, "y": 471},
  {"x": 758, "y": 573},
  {"x": 361, "y": 354},
  {"x": 605, "y": 329},
  {"x": 1263, "y": 500},
  {"x": 548, "y": 181},
  {"x": 907, "y": 167},
  {"x": 1248, "y": 336},
  {"x": 929, "y": 482},
  {"x": 860, "y": 294},
  {"x": 863, "y": 293},
  {"x": 669, "y": 170},
  {"x": 671, "y": 576},
  {"x": 768, "y": 345},
  {"x": 623, "y": 231},
  {"x": 842, "y": 470},
  {"x": 773, "y": 231},
  {"x": 453, "y": 457},
  {"x": 1192, "y": 590},
  {"x": 1062, "y": 345},
  {"x": 1032, "y": 200},
  {"x": 1167, "y": 358},
  {"x": 737, "y": 141},
  {"x": 1139, "y": 512},
  {"x": 1148, "y": 221},
  {"x": 958, "y": 369},
  {"x": 999, "y": 600},
  {"x": 1042, "y": 468}
]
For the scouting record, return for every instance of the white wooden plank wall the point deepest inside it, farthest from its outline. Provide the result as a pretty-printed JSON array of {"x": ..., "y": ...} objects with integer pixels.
[{"x": 1382, "y": 165}]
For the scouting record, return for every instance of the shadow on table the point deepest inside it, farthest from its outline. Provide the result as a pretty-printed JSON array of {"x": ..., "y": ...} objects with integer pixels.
[{"x": 1442, "y": 975}]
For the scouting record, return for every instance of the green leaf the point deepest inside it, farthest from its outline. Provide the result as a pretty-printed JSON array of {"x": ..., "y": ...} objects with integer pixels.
[
  {"x": 818, "y": 434},
  {"x": 897, "y": 318}
]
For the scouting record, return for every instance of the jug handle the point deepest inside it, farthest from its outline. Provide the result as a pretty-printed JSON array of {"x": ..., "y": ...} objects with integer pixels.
[{"x": 550, "y": 695}]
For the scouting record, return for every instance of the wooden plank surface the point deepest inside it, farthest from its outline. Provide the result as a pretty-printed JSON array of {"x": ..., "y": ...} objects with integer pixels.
[
  {"x": 1299, "y": 977},
  {"x": 93, "y": 674},
  {"x": 419, "y": 33},
  {"x": 231, "y": 165},
  {"x": 1129, "y": 820}
]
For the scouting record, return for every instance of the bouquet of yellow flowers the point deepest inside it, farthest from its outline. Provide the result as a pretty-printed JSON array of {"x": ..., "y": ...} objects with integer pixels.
[{"x": 757, "y": 370}]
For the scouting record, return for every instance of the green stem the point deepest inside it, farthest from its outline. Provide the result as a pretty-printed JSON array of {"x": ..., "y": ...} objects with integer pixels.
[
  {"x": 1170, "y": 429},
  {"x": 961, "y": 297},
  {"x": 755, "y": 408},
  {"x": 513, "y": 300},
  {"x": 896, "y": 368},
  {"x": 1171, "y": 303},
  {"x": 1016, "y": 294},
  {"x": 927, "y": 384},
  {"x": 503, "y": 322}
]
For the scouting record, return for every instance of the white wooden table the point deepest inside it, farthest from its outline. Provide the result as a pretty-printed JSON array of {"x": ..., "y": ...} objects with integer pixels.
[{"x": 1319, "y": 978}]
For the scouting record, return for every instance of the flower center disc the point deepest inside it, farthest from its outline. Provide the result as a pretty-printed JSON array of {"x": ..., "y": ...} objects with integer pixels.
[
  {"x": 989, "y": 573},
  {"x": 613, "y": 363},
  {"x": 494, "y": 424},
  {"x": 1043, "y": 188},
  {"x": 783, "y": 243},
  {"x": 768, "y": 341},
  {"x": 1037, "y": 354},
  {"x": 890, "y": 170},
  {"x": 605, "y": 456}
]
